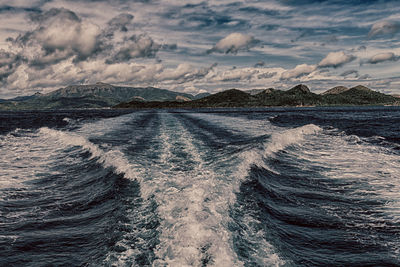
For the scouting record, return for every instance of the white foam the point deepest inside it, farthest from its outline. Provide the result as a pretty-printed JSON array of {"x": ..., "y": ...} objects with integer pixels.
[
  {"x": 193, "y": 205},
  {"x": 104, "y": 126},
  {"x": 263, "y": 253},
  {"x": 68, "y": 120},
  {"x": 24, "y": 155},
  {"x": 283, "y": 138}
]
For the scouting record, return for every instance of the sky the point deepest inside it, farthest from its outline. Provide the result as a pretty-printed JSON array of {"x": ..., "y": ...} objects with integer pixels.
[{"x": 199, "y": 46}]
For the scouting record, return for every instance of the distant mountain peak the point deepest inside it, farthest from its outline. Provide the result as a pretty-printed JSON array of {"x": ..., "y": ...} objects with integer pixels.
[
  {"x": 259, "y": 91},
  {"x": 301, "y": 88},
  {"x": 360, "y": 88},
  {"x": 335, "y": 90},
  {"x": 101, "y": 83}
]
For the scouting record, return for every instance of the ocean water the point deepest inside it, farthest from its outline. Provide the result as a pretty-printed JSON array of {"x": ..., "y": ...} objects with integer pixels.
[{"x": 215, "y": 187}]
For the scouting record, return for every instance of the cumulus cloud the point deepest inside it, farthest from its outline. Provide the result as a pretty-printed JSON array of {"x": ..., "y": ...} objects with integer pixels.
[
  {"x": 134, "y": 47},
  {"x": 120, "y": 22},
  {"x": 62, "y": 30},
  {"x": 183, "y": 73},
  {"x": 233, "y": 43},
  {"x": 235, "y": 75},
  {"x": 336, "y": 59},
  {"x": 298, "y": 71},
  {"x": 62, "y": 48},
  {"x": 61, "y": 34},
  {"x": 8, "y": 63},
  {"x": 382, "y": 57},
  {"x": 384, "y": 28}
]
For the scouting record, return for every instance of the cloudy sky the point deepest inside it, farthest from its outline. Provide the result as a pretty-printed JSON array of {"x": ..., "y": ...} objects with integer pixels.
[{"x": 196, "y": 46}]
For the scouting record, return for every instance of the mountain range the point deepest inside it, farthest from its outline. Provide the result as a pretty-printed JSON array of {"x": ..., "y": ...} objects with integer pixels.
[
  {"x": 99, "y": 95},
  {"x": 102, "y": 95},
  {"x": 299, "y": 95}
]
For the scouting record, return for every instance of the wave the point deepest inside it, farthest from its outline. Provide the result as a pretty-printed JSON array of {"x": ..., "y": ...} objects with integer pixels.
[
  {"x": 336, "y": 182},
  {"x": 113, "y": 158},
  {"x": 136, "y": 231},
  {"x": 285, "y": 138},
  {"x": 201, "y": 189},
  {"x": 18, "y": 148}
]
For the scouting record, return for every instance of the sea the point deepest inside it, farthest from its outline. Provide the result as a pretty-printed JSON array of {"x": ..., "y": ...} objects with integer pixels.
[{"x": 300, "y": 186}]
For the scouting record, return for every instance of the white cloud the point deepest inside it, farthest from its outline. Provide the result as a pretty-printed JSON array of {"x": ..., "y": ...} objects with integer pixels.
[
  {"x": 298, "y": 71},
  {"x": 382, "y": 57},
  {"x": 61, "y": 29},
  {"x": 336, "y": 59},
  {"x": 383, "y": 28},
  {"x": 234, "y": 42},
  {"x": 183, "y": 73},
  {"x": 236, "y": 75}
]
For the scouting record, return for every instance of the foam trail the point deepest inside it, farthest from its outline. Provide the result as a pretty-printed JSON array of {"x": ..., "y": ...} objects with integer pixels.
[
  {"x": 195, "y": 204},
  {"x": 193, "y": 207}
]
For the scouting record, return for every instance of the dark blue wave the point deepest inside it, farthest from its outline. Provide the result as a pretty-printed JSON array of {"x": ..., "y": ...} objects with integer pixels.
[
  {"x": 74, "y": 218},
  {"x": 88, "y": 213},
  {"x": 313, "y": 221}
]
